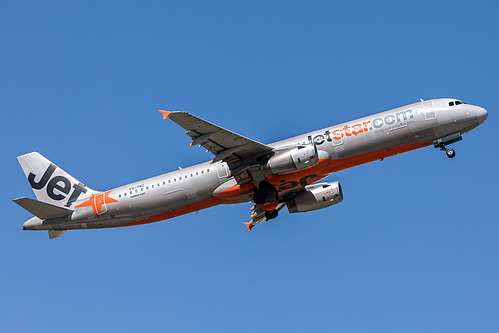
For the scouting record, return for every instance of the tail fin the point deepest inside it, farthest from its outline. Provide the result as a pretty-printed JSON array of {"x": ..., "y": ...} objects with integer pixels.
[{"x": 50, "y": 183}]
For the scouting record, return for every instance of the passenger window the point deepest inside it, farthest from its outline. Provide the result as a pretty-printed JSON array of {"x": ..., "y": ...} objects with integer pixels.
[
  {"x": 451, "y": 103},
  {"x": 208, "y": 170},
  {"x": 164, "y": 183},
  {"x": 142, "y": 189},
  {"x": 120, "y": 195},
  {"x": 147, "y": 187},
  {"x": 158, "y": 184},
  {"x": 169, "y": 181},
  {"x": 174, "y": 179},
  {"x": 136, "y": 191},
  {"x": 202, "y": 172},
  {"x": 124, "y": 194},
  {"x": 152, "y": 186},
  {"x": 197, "y": 173},
  {"x": 179, "y": 178}
]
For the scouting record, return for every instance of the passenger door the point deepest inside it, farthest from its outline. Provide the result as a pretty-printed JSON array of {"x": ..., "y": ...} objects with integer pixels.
[{"x": 429, "y": 112}]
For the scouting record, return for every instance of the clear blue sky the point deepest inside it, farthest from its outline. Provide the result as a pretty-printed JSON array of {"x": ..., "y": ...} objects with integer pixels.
[{"x": 412, "y": 248}]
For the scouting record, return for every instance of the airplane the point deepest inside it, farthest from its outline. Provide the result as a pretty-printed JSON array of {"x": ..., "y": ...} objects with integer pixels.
[{"x": 272, "y": 176}]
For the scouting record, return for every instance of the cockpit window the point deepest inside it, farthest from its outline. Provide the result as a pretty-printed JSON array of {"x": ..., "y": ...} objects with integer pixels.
[{"x": 456, "y": 103}]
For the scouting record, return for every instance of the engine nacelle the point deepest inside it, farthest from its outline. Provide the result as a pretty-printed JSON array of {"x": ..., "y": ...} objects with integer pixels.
[
  {"x": 290, "y": 160},
  {"x": 316, "y": 196}
]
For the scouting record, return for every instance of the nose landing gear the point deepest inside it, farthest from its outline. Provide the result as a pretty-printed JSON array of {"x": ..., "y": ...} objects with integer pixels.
[
  {"x": 440, "y": 143},
  {"x": 450, "y": 153}
]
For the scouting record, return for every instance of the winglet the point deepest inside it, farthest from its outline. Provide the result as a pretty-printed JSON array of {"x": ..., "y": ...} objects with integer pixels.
[
  {"x": 250, "y": 226},
  {"x": 166, "y": 114}
]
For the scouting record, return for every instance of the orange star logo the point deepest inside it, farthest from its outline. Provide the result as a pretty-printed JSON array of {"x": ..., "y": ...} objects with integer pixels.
[{"x": 96, "y": 201}]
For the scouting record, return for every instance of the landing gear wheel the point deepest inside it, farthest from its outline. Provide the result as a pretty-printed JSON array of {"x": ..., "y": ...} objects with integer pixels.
[
  {"x": 272, "y": 214},
  {"x": 259, "y": 196},
  {"x": 450, "y": 153}
]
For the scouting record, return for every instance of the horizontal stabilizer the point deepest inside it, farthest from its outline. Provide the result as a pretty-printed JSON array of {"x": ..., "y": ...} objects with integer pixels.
[{"x": 41, "y": 209}]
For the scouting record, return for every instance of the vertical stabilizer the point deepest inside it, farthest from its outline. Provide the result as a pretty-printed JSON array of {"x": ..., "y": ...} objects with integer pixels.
[{"x": 50, "y": 183}]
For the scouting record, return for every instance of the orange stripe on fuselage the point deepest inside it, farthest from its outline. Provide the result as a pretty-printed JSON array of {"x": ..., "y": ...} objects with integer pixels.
[
  {"x": 345, "y": 163},
  {"x": 301, "y": 178},
  {"x": 178, "y": 211}
]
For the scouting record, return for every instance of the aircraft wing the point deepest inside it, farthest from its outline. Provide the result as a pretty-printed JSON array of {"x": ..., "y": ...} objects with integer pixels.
[{"x": 239, "y": 152}]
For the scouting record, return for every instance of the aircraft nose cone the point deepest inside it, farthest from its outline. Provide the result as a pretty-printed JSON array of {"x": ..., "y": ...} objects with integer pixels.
[{"x": 482, "y": 115}]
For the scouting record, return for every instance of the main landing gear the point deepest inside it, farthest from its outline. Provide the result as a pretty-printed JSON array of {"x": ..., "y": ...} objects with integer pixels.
[
  {"x": 267, "y": 197},
  {"x": 272, "y": 214},
  {"x": 264, "y": 193},
  {"x": 441, "y": 143}
]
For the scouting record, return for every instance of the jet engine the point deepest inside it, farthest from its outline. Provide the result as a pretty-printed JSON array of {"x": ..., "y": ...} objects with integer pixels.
[
  {"x": 316, "y": 196},
  {"x": 292, "y": 159}
]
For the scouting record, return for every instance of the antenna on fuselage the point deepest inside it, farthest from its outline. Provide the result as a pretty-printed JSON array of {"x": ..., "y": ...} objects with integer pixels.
[{"x": 422, "y": 100}]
